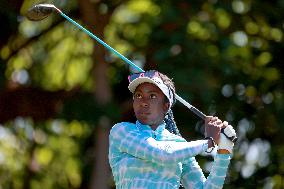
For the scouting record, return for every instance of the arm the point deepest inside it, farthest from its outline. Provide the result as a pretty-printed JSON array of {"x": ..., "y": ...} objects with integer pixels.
[
  {"x": 193, "y": 177},
  {"x": 129, "y": 139}
]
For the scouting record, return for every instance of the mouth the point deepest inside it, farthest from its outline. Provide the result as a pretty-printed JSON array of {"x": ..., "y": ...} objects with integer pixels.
[{"x": 143, "y": 112}]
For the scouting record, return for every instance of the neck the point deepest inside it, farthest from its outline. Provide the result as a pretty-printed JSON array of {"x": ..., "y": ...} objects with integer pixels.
[{"x": 154, "y": 127}]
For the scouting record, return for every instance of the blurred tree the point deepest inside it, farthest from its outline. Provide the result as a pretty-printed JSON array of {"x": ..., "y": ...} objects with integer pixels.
[{"x": 103, "y": 94}]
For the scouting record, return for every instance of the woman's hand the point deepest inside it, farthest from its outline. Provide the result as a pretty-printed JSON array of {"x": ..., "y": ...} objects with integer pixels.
[{"x": 213, "y": 127}]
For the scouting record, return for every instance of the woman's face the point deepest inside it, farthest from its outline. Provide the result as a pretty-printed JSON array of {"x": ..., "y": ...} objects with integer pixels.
[{"x": 149, "y": 104}]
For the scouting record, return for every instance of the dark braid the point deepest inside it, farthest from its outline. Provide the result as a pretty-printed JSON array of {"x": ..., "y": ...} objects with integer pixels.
[
  {"x": 171, "y": 124},
  {"x": 169, "y": 118}
]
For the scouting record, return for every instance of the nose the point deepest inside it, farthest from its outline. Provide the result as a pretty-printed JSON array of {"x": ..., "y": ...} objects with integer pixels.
[{"x": 144, "y": 102}]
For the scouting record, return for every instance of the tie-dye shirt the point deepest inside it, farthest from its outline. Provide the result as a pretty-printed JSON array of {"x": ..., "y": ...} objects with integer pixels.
[{"x": 141, "y": 158}]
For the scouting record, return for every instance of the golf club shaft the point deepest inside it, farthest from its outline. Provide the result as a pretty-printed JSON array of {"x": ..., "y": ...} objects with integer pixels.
[
  {"x": 102, "y": 42},
  {"x": 192, "y": 108},
  {"x": 41, "y": 11}
]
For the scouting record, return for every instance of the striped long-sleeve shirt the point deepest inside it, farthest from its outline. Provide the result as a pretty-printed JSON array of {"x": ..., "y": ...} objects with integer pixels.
[{"x": 141, "y": 158}]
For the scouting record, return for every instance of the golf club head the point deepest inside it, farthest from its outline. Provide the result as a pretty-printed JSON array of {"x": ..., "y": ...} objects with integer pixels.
[{"x": 40, "y": 11}]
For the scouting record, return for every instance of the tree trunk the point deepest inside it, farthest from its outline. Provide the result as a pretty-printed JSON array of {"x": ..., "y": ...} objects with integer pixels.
[{"x": 101, "y": 170}]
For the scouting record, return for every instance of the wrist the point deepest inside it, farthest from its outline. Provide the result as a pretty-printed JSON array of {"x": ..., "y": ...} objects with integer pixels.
[
  {"x": 223, "y": 151},
  {"x": 211, "y": 144}
]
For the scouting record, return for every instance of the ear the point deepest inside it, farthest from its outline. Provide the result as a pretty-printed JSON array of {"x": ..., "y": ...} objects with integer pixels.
[{"x": 166, "y": 107}]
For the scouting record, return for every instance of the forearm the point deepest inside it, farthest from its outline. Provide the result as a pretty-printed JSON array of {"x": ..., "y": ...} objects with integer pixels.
[
  {"x": 174, "y": 152},
  {"x": 161, "y": 152},
  {"x": 218, "y": 171},
  {"x": 193, "y": 177}
]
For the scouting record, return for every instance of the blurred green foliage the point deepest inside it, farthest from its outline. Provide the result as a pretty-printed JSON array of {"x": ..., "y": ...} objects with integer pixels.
[
  {"x": 47, "y": 154},
  {"x": 225, "y": 57}
]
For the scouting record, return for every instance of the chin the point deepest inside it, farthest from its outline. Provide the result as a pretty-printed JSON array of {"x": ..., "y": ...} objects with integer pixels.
[{"x": 144, "y": 121}]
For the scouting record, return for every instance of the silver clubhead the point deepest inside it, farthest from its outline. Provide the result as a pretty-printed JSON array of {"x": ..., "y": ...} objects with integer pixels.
[{"x": 40, "y": 11}]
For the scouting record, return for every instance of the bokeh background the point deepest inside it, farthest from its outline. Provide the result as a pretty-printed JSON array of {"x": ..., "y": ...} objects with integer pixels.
[{"x": 61, "y": 91}]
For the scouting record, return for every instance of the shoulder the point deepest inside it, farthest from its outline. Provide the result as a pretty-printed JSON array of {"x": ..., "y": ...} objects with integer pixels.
[{"x": 123, "y": 127}]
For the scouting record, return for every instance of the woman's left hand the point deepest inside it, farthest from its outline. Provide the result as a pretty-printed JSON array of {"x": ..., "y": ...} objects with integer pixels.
[{"x": 213, "y": 127}]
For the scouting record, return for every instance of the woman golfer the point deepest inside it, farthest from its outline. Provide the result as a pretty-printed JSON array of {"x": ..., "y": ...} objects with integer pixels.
[{"x": 151, "y": 154}]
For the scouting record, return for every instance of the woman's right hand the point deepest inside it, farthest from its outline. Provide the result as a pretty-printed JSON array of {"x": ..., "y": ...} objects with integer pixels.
[{"x": 213, "y": 127}]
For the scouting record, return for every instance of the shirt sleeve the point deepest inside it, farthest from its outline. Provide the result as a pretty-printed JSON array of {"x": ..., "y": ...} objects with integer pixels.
[
  {"x": 128, "y": 139},
  {"x": 193, "y": 177}
]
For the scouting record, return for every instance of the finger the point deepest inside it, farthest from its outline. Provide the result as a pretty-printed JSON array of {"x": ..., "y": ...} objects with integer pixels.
[
  {"x": 218, "y": 122},
  {"x": 225, "y": 124},
  {"x": 215, "y": 118},
  {"x": 208, "y": 119}
]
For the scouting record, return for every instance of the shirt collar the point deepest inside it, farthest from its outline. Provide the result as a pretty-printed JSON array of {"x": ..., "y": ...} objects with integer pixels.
[{"x": 147, "y": 128}]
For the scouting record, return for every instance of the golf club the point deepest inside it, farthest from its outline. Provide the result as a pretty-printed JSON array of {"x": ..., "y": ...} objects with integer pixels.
[{"x": 41, "y": 11}]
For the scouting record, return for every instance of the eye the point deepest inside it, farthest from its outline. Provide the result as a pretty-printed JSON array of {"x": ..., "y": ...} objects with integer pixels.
[
  {"x": 137, "y": 96},
  {"x": 153, "y": 96}
]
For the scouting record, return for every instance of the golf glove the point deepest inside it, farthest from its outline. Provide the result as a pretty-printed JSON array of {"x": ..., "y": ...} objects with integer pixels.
[{"x": 224, "y": 142}]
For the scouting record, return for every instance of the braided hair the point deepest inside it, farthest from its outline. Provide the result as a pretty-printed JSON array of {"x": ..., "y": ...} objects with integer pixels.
[{"x": 169, "y": 117}]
